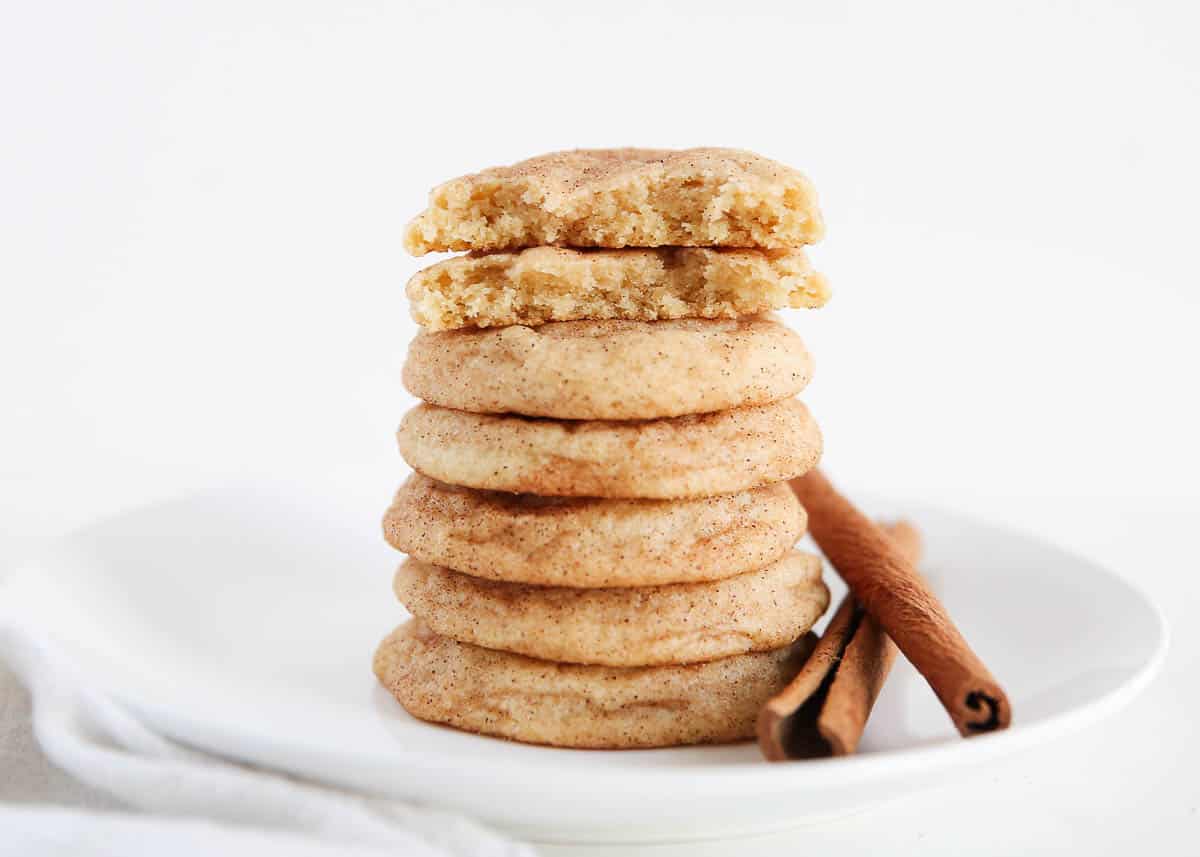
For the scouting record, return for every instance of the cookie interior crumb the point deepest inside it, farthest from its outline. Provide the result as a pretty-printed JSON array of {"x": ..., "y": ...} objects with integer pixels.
[
  {"x": 544, "y": 284},
  {"x": 622, "y": 198}
]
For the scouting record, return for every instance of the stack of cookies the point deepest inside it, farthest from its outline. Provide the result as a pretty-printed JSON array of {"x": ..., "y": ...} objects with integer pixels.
[{"x": 599, "y": 529}]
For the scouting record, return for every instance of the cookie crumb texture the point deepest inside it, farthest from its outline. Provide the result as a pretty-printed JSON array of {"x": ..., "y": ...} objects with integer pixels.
[
  {"x": 622, "y": 198},
  {"x": 589, "y": 542},
  {"x": 610, "y": 370},
  {"x": 570, "y": 705},
  {"x": 543, "y": 284},
  {"x": 681, "y": 623}
]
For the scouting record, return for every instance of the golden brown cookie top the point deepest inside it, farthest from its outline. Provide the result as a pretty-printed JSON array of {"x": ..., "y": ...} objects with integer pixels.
[
  {"x": 571, "y": 169},
  {"x": 514, "y": 696},
  {"x": 693, "y": 456},
  {"x": 622, "y": 198},
  {"x": 591, "y": 542},
  {"x": 610, "y": 370},
  {"x": 680, "y": 623}
]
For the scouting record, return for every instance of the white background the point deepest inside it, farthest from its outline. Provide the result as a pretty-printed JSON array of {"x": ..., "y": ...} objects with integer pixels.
[{"x": 202, "y": 278}]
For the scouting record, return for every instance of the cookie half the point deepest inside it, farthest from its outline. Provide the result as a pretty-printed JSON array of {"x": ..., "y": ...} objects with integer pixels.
[
  {"x": 609, "y": 370},
  {"x": 569, "y": 705},
  {"x": 692, "y": 456},
  {"x": 680, "y": 623},
  {"x": 544, "y": 284},
  {"x": 588, "y": 542},
  {"x": 622, "y": 198}
]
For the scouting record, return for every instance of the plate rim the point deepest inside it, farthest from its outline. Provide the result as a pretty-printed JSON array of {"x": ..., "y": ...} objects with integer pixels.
[{"x": 218, "y": 738}]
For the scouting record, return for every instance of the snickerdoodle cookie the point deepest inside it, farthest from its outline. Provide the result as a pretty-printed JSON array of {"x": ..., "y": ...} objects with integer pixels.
[
  {"x": 692, "y": 456},
  {"x": 681, "y": 623},
  {"x": 588, "y": 542},
  {"x": 542, "y": 284},
  {"x": 622, "y": 198},
  {"x": 609, "y": 370},
  {"x": 571, "y": 705}
]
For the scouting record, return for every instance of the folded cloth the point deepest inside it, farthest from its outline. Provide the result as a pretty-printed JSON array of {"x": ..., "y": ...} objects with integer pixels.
[{"x": 200, "y": 804}]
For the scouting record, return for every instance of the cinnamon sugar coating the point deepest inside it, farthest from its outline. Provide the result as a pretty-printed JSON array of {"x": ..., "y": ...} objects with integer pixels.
[
  {"x": 691, "y": 456},
  {"x": 571, "y": 705},
  {"x": 679, "y": 623},
  {"x": 589, "y": 542},
  {"x": 614, "y": 370}
]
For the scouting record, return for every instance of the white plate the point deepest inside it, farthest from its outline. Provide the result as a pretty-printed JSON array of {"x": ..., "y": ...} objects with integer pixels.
[{"x": 244, "y": 623}]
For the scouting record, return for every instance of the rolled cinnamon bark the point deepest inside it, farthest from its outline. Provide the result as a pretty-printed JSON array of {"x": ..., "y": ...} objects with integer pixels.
[
  {"x": 824, "y": 710},
  {"x": 898, "y": 598}
]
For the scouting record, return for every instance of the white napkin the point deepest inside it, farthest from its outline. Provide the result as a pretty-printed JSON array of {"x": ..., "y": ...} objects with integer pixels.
[{"x": 198, "y": 804}]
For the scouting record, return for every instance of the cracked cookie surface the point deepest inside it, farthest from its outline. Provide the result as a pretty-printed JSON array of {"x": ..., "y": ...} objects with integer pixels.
[
  {"x": 571, "y": 705},
  {"x": 679, "y": 623},
  {"x": 610, "y": 370},
  {"x": 590, "y": 542},
  {"x": 691, "y": 456}
]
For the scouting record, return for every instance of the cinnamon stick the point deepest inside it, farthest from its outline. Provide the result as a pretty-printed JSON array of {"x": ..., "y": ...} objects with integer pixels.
[
  {"x": 824, "y": 710},
  {"x": 885, "y": 582}
]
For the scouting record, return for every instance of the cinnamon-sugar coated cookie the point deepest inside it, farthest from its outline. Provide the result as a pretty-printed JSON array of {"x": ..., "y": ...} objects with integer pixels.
[
  {"x": 681, "y": 623},
  {"x": 590, "y": 542},
  {"x": 622, "y": 198},
  {"x": 609, "y": 370},
  {"x": 570, "y": 705},
  {"x": 692, "y": 456},
  {"x": 544, "y": 284}
]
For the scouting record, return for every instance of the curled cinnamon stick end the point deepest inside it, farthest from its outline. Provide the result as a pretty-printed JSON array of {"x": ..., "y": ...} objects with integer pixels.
[
  {"x": 891, "y": 591},
  {"x": 824, "y": 710}
]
